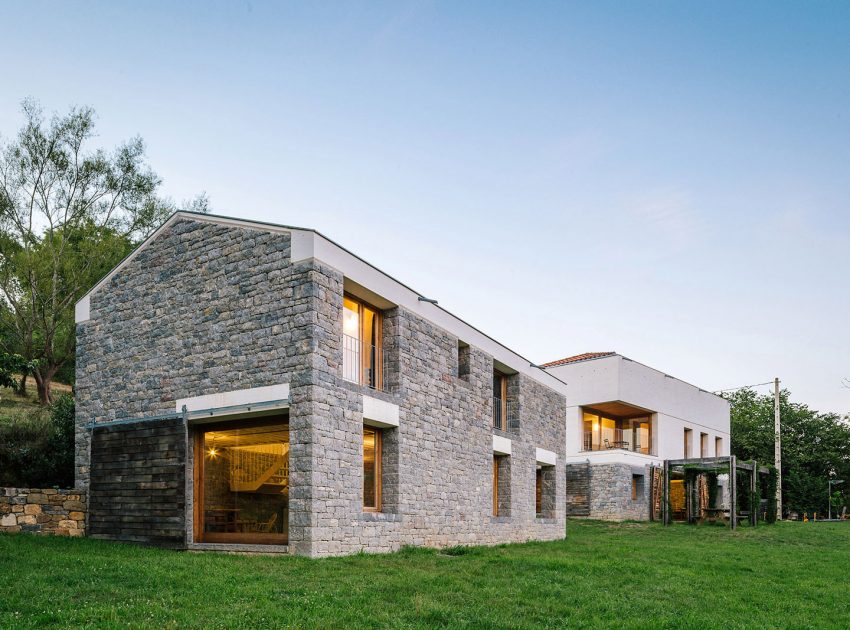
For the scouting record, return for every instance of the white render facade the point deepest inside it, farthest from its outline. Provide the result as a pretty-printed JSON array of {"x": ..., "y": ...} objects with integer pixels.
[{"x": 650, "y": 416}]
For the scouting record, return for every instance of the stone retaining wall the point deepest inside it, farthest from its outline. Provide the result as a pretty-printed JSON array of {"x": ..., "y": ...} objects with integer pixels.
[{"x": 43, "y": 511}]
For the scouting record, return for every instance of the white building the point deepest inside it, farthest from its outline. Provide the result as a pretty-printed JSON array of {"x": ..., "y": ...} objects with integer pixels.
[{"x": 623, "y": 419}]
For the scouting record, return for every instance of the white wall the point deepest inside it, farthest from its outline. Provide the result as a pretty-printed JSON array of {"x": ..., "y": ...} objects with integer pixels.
[{"x": 676, "y": 405}]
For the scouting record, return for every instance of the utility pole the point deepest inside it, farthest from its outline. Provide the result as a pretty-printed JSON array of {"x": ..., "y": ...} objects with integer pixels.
[{"x": 777, "y": 448}]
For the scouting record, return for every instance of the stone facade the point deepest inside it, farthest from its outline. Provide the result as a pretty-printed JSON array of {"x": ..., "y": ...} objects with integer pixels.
[
  {"x": 43, "y": 511},
  {"x": 610, "y": 496},
  {"x": 208, "y": 308}
]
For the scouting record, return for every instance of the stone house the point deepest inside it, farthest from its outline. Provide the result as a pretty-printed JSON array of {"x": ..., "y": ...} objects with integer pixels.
[
  {"x": 243, "y": 386},
  {"x": 623, "y": 420}
]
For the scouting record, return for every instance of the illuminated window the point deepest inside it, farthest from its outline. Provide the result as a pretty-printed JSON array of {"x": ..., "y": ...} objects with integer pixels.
[
  {"x": 371, "y": 469},
  {"x": 241, "y": 482},
  {"x": 362, "y": 351}
]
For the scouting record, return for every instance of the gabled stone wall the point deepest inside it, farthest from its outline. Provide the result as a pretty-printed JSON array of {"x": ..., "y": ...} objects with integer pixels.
[
  {"x": 207, "y": 308},
  {"x": 43, "y": 511}
]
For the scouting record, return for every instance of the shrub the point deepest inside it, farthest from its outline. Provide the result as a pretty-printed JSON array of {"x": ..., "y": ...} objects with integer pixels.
[{"x": 38, "y": 450}]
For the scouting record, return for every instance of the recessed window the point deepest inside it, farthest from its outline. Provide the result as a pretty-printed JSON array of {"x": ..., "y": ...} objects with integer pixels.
[
  {"x": 241, "y": 482},
  {"x": 718, "y": 447},
  {"x": 687, "y": 442},
  {"x": 637, "y": 487},
  {"x": 703, "y": 444},
  {"x": 501, "y": 485},
  {"x": 463, "y": 360},
  {"x": 544, "y": 499},
  {"x": 601, "y": 433},
  {"x": 500, "y": 401},
  {"x": 362, "y": 350},
  {"x": 371, "y": 469}
]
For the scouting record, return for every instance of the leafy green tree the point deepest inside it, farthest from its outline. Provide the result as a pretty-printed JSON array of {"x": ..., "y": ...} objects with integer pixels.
[
  {"x": 10, "y": 366},
  {"x": 815, "y": 446},
  {"x": 67, "y": 216}
]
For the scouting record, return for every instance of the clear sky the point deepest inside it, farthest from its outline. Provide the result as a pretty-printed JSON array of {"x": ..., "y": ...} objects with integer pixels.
[{"x": 667, "y": 180}]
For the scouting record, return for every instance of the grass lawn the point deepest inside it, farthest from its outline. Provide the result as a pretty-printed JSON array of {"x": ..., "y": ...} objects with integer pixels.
[{"x": 791, "y": 575}]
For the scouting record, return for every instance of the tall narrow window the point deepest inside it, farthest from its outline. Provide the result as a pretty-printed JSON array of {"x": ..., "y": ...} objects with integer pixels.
[
  {"x": 687, "y": 444},
  {"x": 703, "y": 444},
  {"x": 538, "y": 492},
  {"x": 371, "y": 469},
  {"x": 495, "y": 486},
  {"x": 718, "y": 447},
  {"x": 500, "y": 401},
  {"x": 362, "y": 352}
]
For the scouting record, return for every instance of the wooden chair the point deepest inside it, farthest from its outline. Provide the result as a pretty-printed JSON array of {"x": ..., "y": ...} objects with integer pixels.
[{"x": 266, "y": 528}]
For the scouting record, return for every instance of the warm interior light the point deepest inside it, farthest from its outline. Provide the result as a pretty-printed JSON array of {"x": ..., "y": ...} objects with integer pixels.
[
  {"x": 213, "y": 452},
  {"x": 350, "y": 317}
]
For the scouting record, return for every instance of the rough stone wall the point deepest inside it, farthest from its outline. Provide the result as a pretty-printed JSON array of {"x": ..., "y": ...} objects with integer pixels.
[
  {"x": 43, "y": 511},
  {"x": 203, "y": 308},
  {"x": 611, "y": 493},
  {"x": 578, "y": 489},
  {"x": 438, "y": 463},
  {"x": 208, "y": 308}
]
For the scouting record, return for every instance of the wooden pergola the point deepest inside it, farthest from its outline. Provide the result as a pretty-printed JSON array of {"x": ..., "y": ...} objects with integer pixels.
[{"x": 692, "y": 469}]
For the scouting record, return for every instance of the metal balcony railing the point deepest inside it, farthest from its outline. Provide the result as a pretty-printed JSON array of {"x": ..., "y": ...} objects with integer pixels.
[
  {"x": 363, "y": 363},
  {"x": 615, "y": 439},
  {"x": 504, "y": 413}
]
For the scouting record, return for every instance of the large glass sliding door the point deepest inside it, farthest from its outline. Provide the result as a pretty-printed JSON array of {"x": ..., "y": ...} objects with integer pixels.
[{"x": 242, "y": 482}]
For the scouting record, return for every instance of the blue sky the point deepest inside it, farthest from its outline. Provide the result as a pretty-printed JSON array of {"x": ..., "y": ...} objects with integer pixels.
[{"x": 667, "y": 180}]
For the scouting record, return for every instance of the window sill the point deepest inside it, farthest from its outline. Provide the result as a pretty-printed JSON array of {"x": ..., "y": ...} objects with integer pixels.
[{"x": 500, "y": 519}]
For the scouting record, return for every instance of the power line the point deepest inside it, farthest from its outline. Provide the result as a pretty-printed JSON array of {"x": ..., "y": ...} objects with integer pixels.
[{"x": 732, "y": 389}]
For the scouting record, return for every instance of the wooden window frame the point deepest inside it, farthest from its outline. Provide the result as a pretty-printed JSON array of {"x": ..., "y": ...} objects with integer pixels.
[
  {"x": 198, "y": 463},
  {"x": 378, "y": 472},
  {"x": 495, "y": 486},
  {"x": 703, "y": 444},
  {"x": 379, "y": 346},
  {"x": 688, "y": 445}
]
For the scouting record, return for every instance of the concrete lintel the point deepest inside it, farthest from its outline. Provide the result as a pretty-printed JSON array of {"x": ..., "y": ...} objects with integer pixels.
[
  {"x": 501, "y": 445},
  {"x": 379, "y": 413},
  {"x": 547, "y": 458},
  {"x": 234, "y": 398}
]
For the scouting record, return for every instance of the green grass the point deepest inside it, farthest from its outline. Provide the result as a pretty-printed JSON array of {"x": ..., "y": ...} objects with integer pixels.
[
  {"x": 14, "y": 408},
  {"x": 791, "y": 575}
]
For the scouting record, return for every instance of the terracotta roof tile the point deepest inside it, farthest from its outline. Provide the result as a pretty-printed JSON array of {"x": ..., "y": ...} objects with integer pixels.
[{"x": 579, "y": 357}]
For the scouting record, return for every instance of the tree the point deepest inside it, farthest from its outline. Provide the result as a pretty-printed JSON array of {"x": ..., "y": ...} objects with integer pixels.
[
  {"x": 67, "y": 216},
  {"x": 815, "y": 446}
]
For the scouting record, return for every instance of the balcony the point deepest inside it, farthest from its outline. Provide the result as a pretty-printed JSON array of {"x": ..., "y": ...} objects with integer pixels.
[
  {"x": 363, "y": 363},
  {"x": 505, "y": 414},
  {"x": 616, "y": 439}
]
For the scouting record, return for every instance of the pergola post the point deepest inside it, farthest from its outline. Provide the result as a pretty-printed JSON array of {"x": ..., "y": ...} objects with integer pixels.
[
  {"x": 754, "y": 500},
  {"x": 665, "y": 495},
  {"x": 733, "y": 493}
]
